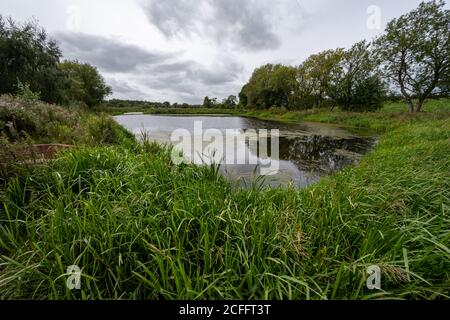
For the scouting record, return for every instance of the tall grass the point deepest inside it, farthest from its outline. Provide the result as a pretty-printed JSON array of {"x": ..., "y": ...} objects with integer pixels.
[
  {"x": 45, "y": 123},
  {"x": 25, "y": 122},
  {"x": 143, "y": 228}
]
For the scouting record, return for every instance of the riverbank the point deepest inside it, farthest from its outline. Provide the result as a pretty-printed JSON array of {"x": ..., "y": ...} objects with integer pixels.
[
  {"x": 141, "y": 227},
  {"x": 390, "y": 117}
]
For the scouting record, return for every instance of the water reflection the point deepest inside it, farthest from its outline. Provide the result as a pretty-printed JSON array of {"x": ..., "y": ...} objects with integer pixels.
[{"x": 307, "y": 151}]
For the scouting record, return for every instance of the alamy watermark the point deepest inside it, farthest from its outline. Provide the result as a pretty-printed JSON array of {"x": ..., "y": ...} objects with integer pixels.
[
  {"x": 374, "y": 17},
  {"x": 73, "y": 282},
  {"x": 231, "y": 147},
  {"x": 374, "y": 279},
  {"x": 73, "y": 22}
]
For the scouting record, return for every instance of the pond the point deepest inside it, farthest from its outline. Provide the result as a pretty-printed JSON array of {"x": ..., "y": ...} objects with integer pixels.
[{"x": 299, "y": 154}]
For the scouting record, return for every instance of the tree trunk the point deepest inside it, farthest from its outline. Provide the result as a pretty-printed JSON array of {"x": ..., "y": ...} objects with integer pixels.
[
  {"x": 410, "y": 106},
  {"x": 419, "y": 105}
]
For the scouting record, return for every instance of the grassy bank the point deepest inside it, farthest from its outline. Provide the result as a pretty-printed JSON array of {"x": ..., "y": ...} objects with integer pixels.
[
  {"x": 141, "y": 227},
  {"x": 24, "y": 123},
  {"x": 391, "y": 116}
]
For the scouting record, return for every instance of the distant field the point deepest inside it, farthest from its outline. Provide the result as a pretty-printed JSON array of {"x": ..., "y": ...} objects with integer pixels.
[
  {"x": 434, "y": 105},
  {"x": 392, "y": 115}
]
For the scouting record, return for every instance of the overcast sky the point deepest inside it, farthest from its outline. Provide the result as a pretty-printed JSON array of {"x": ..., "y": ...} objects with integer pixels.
[{"x": 183, "y": 50}]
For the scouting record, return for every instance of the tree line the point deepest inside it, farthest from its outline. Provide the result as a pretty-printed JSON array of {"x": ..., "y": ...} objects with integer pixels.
[
  {"x": 411, "y": 60},
  {"x": 118, "y": 103},
  {"x": 31, "y": 62}
]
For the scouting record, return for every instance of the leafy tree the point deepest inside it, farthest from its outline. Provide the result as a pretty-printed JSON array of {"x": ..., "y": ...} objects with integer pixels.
[
  {"x": 269, "y": 85},
  {"x": 415, "y": 52},
  {"x": 317, "y": 77},
  {"x": 368, "y": 95},
  {"x": 358, "y": 85},
  {"x": 243, "y": 96},
  {"x": 230, "y": 102},
  {"x": 85, "y": 84},
  {"x": 209, "y": 103},
  {"x": 303, "y": 97},
  {"x": 281, "y": 85},
  {"x": 29, "y": 57}
]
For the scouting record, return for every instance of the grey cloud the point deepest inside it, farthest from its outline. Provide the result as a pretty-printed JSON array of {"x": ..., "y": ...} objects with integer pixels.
[
  {"x": 123, "y": 88},
  {"x": 241, "y": 23},
  {"x": 107, "y": 54},
  {"x": 222, "y": 75},
  {"x": 248, "y": 25},
  {"x": 172, "y": 16},
  {"x": 219, "y": 74},
  {"x": 136, "y": 72},
  {"x": 189, "y": 81}
]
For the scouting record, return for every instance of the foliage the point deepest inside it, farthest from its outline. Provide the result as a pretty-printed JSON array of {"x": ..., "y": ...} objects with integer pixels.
[
  {"x": 415, "y": 53},
  {"x": 29, "y": 57},
  {"x": 143, "y": 228},
  {"x": 318, "y": 77},
  {"x": 230, "y": 102},
  {"x": 359, "y": 86},
  {"x": 209, "y": 102},
  {"x": 330, "y": 78},
  {"x": 30, "y": 63},
  {"x": 26, "y": 94},
  {"x": 269, "y": 85},
  {"x": 85, "y": 83},
  {"x": 119, "y": 105},
  {"x": 333, "y": 77},
  {"x": 45, "y": 123}
]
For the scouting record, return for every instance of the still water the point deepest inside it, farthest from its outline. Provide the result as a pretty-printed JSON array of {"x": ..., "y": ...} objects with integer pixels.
[{"x": 307, "y": 151}]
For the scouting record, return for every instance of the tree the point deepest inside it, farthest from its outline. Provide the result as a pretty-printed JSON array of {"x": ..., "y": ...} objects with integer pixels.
[
  {"x": 269, "y": 85},
  {"x": 357, "y": 85},
  {"x": 85, "y": 84},
  {"x": 415, "y": 52},
  {"x": 316, "y": 78},
  {"x": 230, "y": 102},
  {"x": 29, "y": 57},
  {"x": 209, "y": 103},
  {"x": 243, "y": 96}
]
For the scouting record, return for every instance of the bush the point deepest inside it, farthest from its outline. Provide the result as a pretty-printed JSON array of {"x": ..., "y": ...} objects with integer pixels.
[
  {"x": 369, "y": 95},
  {"x": 45, "y": 123},
  {"x": 26, "y": 94},
  {"x": 103, "y": 130}
]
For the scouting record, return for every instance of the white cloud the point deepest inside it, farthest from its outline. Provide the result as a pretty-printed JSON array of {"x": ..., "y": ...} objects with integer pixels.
[{"x": 182, "y": 50}]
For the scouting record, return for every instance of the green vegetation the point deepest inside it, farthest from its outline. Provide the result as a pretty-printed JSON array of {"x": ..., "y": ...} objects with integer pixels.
[
  {"x": 25, "y": 121},
  {"x": 412, "y": 59},
  {"x": 415, "y": 53},
  {"x": 333, "y": 77},
  {"x": 85, "y": 83},
  {"x": 388, "y": 117},
  {"x": 45, "y": 123},
  {"x": 28, "y": 58},
  {"x": 141, "y": 227},
  {"x": 409, "y": 62},
  {"x": 381, "y": 121}
]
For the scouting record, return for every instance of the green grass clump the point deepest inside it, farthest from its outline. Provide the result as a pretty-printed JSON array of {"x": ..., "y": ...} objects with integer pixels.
[
  {"x": 25, "y": 122},
  {"x": 141, "y": 227},
  {"x": 45, "y": 123}
]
